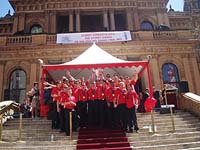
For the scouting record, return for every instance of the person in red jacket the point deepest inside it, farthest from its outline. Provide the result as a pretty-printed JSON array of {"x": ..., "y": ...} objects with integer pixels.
[
  {"x": 81, "y": 97},
  {"x": 132, "y": 101},
  {"x": 55, "y": 94},
  {"x": 91, "y": 104},
  {"x": 120, "y": 104},
  {"x": 69, "y": 104},
  {"x": 111, "y": 111},
  {"x": 100, "y": 103}
]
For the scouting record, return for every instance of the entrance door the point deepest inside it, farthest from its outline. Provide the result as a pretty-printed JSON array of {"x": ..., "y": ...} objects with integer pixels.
[{"x": 17, "y": 86}]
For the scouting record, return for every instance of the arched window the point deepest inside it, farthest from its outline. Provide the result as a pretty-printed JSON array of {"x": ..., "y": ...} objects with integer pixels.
[
  {"x": 146, "y": 26},
  {"x": 36, "y": 29},
  {"x": 17, "y": 85},
  {"x": 170, "y": 74}
]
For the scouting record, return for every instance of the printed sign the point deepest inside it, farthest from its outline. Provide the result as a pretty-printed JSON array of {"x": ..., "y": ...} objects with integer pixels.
[{"x": 93, "y": 37}]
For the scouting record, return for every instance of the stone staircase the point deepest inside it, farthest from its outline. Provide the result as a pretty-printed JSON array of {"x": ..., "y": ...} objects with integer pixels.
[{"x": 37, "y": 134}]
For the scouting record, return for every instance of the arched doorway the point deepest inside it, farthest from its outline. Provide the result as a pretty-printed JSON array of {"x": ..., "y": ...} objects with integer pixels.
[{"x": 17, "y": 85}]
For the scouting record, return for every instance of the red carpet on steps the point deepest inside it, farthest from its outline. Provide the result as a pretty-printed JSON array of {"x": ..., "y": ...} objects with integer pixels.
[{"x": 102, "y": 139}]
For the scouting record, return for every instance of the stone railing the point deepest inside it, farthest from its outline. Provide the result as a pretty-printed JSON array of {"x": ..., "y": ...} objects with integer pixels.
[
  {"x": 165, "y": 35},
  {"x": 136, "y": 36},
  {"x": 19, "y": 40},
  {"x": 190, "y": 102}
]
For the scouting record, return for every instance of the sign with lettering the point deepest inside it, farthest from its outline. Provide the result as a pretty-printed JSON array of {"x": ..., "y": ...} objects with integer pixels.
[{"x": 93, "y": 37}]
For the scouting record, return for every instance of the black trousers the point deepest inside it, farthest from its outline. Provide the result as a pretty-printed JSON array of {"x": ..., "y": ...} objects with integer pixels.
[
  {"x": 122, "y": 118},
  {"x": 111, "y": 116},
  {"x": 55, "y": 117},
  {"x": 91, "y": 113},
  {"x": 101, "y": 112},
  {"x": 62, "y": 118},
  {"x": 82, "y": 112}
]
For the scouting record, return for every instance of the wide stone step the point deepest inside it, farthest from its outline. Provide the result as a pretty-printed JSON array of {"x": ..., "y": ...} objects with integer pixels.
[
  {"x": 163, "y": 119},
  {"x": 169, "y": 123},
  {"x": 194, "y": 148},
  {"x": 64, "y": 141},
  {"x": 45, "y": 147},
  {"x": 165, "y": 141},
  {"x": 39, "y": 137},
  {"x": 168, "y": 146},
  {"x": 157, "y": 136}
]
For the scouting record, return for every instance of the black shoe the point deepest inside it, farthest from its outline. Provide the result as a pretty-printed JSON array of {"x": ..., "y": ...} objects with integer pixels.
[
  {"x": 125, "y": 130},
  {"x": 131, "y": 130},
  {"x": 136, "y": 129},
  {"x": 61, "y": 131}
]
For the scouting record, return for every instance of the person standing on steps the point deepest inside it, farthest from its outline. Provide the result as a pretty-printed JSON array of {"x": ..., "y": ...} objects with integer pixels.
[
  {"x": 35, "y": 100},
  {"x": 69, "y": 104},
  {"x": 132, "y": 101}
]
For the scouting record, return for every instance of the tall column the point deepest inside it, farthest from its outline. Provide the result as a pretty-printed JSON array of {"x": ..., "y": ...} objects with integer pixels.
[
  {"x": 129, "y": 19},
  {"x": 112, "y": 20},
  {"x": 71, "y": 21},
  {"x": 15, "y": 24},
  {"x": 155, "y": 73},
  {"x": 160, "y": 18},
  {"x": 47, "y": 17},
  {"x": 105, "y": 20},
  {"x": 21, "y": 22},
  {"x": 145, "y": 82},
  {"x": 78, "y": 28},
  {"x": 136, "y": 20},
  {"x": 1, "y": 81},
  {"x": 53, "y": 22},
  {"x": 196, "y": 74},
  {"x": 33, "y": 74},
  {"x": 166, "y": 19},
  {"x": 188, "y": 76}
]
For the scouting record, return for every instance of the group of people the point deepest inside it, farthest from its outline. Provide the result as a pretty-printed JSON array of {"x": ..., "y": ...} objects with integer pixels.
[{"x": 106, "y": 102}]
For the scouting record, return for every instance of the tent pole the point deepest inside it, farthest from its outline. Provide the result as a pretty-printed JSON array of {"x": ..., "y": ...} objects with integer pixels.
[
  {"x": 150, "y": 82},
  {"x": 41, "y": 92}
]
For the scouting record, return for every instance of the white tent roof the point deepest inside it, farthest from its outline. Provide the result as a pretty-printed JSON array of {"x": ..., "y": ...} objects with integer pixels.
[{"x": 94, "y": 55}]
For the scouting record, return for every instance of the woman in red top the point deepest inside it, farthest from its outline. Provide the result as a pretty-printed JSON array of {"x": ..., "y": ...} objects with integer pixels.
[
  {"x": 81, "y": 95},
  {"x": 55, "y": 94},
  {"x": 120, "y": 103},
  {"x": 132, "y": 100},
  {"x": 111, "y": 111},
  {"x": 69, "y": 106},
  {"x": 92, "y": 95}
]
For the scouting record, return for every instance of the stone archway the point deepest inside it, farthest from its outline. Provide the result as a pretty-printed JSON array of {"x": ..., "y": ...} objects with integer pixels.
[
  {"x": 17, "y": 86},
  {"x": 12, "y": 66}
]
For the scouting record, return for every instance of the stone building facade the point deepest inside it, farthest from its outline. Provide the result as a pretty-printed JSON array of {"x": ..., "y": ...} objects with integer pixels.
[{"x": 30, "y": 34}]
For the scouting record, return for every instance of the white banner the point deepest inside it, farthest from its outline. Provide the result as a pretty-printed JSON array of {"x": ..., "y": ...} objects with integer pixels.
[{"x": 93, "y": 37}]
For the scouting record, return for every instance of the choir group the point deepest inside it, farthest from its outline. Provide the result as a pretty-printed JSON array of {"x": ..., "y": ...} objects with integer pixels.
[{"x": 106, "y": 102}]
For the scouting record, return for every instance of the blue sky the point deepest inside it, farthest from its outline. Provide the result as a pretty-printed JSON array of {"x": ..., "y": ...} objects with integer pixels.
[{"x": 5, "y": 6}]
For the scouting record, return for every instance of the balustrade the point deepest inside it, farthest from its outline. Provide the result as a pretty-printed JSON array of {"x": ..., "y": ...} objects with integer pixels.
[
  {"x": 51, "y": 38},
  {"x": 19, "y": 40}
]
